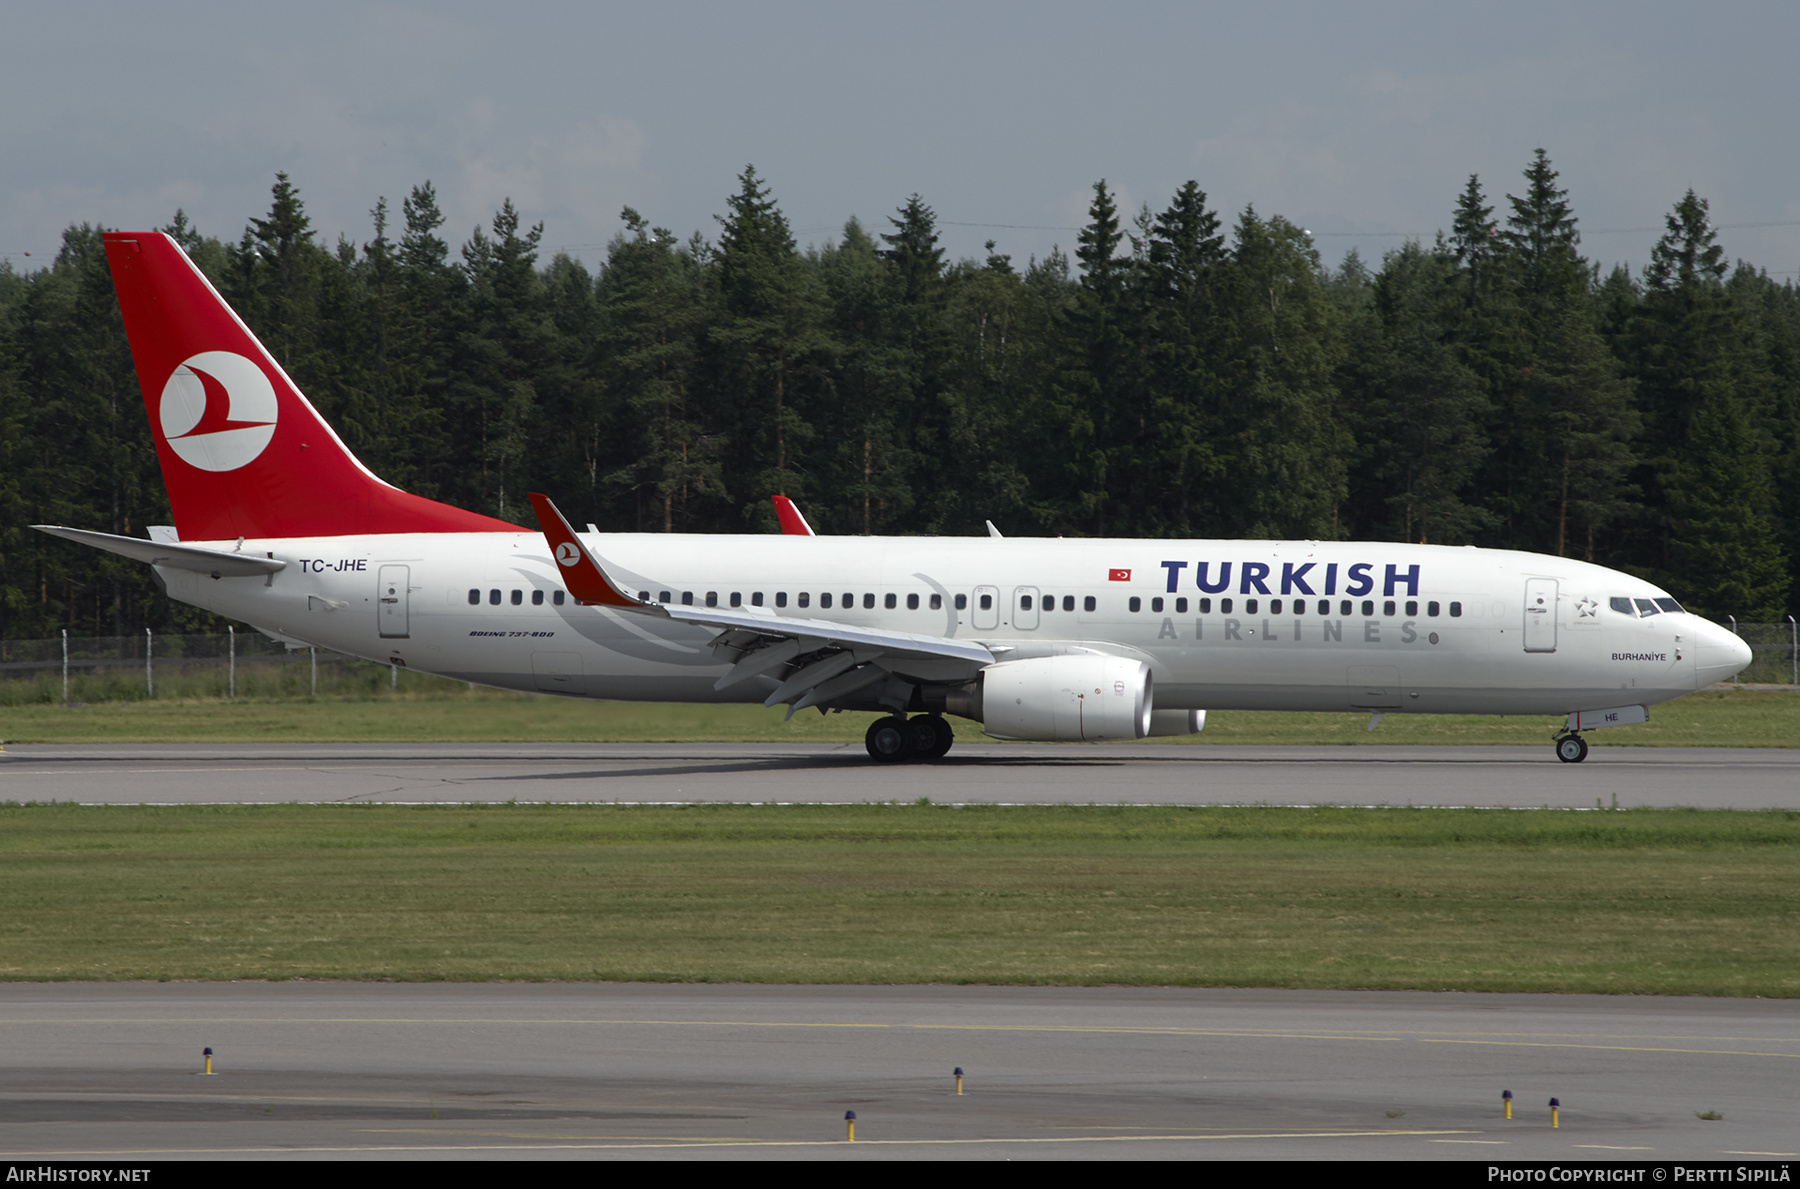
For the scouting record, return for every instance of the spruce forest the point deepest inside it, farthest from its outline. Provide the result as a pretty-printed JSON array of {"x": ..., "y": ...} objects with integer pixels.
[{"x": 1181, "y": 375}]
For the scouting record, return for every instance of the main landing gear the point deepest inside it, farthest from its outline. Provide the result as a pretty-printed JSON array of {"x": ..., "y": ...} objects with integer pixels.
[
  {"x": 1571, "y": 748},
  {"x": 897, "y": 739}
]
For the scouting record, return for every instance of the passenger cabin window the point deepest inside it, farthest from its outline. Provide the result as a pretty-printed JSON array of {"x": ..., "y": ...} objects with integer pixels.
[
  {"x": 1368, "y": 606},
  {"x": 1324, "y": 606},
  {"x": 912, "y": 602},
  {"x": 518, "y": 598},
  {"x": 687, "y": 598},
  {"x": 1069, "y": 603},
  {"x": 475, "y": 598},
  {"x": 1206, "y": 606},
  {"x": 1135, "y": 603},
  {"x": 803, "y": 598},
  {"x": 1249, "y": 606},
  {"x": 737, "y": 598},
  {"x": 962, "y": 602},
  {"x": 781, "y": 598},
  {"x": 1274, "y": 606},
  {"x": 1156, "y": 604},
  {"x": 556, "y": 598},
  {"x": 868, "y": 602},
  {"x": 890, "y": 602},
  {"x": 1089, "y": 603},
  {"x": 937, "y": 602},
  {"x": 756, "y": 598},
  {"x": 537, "y": 598},
  {"x": 1225, "y": 606},
  {"x": 662, "y": 596},
  {"x": 1025, "y": 603},
  {"x": 712, "y": 598},
  {"x": 825, "y": 600},
  {"x": 1623, "y": 607},
  {"x": 1431, "y": 609},
  {"x": 1648, "y": 607},
  {"x": 643, "y": 596},
  {"x": 1455, "y": 610},
  {"x": 1346, "y": 607},
  {"x": 1387, "y": 608},
  {"x": 493, "y": 598},
  {"x": 987, "y": 602},
  {"x": 1412, "y": 608}
]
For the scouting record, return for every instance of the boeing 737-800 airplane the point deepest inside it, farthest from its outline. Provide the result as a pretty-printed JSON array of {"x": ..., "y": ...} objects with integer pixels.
[{"x": 277, "y": 524}]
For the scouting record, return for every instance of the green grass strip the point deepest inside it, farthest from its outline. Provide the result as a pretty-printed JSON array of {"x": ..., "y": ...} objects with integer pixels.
[
  {"x": 1639, "y": 901},
  {"x": 1713, "y": 718}
]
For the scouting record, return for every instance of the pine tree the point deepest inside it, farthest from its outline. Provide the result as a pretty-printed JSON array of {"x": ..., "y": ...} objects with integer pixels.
[
  {"x": 1286, "y": 464},
  {"x": 652, "y": 298},
  {"x": 769, "y": 349},
  {"x": 1183, "y": 260},
  {"x": 1691, "y": 351},
  {"x": 1723, "y": 553}
]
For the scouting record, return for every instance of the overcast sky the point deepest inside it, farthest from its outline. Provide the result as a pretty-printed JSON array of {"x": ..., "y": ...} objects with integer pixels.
[{"x": 1360, "y": 122}]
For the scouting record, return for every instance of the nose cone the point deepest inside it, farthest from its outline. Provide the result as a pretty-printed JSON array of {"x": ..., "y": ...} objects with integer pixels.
[{"x": 1718, "y": 656}]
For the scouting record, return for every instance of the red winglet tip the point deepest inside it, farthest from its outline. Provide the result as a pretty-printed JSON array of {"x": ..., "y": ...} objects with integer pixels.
[
  {"x": 792, "y": 523},
  {"x": 580, "y": 573}
]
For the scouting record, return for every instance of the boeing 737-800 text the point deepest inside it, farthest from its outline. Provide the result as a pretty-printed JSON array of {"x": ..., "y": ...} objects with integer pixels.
[{"x": 277, "y": 524}]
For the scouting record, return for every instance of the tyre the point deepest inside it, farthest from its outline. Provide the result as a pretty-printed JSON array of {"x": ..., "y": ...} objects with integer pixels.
[
  {"x": 934, "y": 737},
  {"x": 1571, "y": 749},
  {"x": 890, "y": 740}
]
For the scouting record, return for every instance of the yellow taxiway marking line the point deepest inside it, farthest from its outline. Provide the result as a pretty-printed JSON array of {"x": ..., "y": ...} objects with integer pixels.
[
  {"x": 761, "y": 1143},
  {"x": 1572, "y": 1044}
]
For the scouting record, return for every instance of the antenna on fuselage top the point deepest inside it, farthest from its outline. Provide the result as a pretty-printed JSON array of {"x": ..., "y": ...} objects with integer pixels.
[{"x": 994, "y": 532}]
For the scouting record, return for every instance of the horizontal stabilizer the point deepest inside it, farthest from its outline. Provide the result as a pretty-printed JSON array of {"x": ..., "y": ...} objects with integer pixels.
[{"x": 217, "y": 563}]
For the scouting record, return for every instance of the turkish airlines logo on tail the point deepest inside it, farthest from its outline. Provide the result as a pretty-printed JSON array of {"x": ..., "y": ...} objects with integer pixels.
[
  {"x": 567, "y": 554},
  {"x": 218, "y": 411}
]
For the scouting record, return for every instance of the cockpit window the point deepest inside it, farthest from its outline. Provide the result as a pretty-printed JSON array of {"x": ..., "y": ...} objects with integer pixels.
[
  {"x": 1648, "y": 607},
  {"x": 1622, "y": 606},
  {"x": 1668, "y": 604}
]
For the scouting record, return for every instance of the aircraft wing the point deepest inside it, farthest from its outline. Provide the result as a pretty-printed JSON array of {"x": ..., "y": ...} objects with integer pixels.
[
  {"x": 216, "y": 562},
  {"x": 814, "y": 661}
]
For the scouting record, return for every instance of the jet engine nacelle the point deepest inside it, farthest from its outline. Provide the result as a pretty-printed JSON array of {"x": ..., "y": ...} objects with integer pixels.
[{"x": 1067, "y": 699}]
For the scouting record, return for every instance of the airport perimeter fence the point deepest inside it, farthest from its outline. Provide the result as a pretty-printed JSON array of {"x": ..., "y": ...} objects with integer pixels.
[
  {"x": 249, "y": 664},
  {"x": 234, "y": 664}
]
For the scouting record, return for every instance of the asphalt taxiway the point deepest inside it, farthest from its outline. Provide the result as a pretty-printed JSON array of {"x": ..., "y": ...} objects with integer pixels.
[
  {"x": 514, "y": 1071},
  {"x": 1523, "y": 777}
]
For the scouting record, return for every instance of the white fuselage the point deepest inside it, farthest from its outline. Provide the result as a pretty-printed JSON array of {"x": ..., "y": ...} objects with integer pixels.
[{"x": 1294, "y": 626}]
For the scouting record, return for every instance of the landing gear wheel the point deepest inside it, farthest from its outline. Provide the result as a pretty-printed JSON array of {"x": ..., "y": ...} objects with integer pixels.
[
  {"x": 890, "y": 740},
  {"x": 1571, "y": 749},
  {"x": 933, "y": 738}
]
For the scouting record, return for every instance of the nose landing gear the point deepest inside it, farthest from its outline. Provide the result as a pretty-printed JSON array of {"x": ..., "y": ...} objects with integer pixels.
[
  {"x": 1571, "y": 748},
  {"x": 895, "y": 740}
]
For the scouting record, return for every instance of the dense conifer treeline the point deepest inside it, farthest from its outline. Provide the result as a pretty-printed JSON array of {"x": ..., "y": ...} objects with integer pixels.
[{"x": 1178, "y": 377}]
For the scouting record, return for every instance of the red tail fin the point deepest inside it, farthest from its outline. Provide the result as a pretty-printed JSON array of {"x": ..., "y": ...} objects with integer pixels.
[{"x": 243, "y": 453}]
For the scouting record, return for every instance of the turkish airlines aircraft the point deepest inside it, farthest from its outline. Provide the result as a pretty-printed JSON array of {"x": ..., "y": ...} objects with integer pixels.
[{"x": 278, "y": 525}]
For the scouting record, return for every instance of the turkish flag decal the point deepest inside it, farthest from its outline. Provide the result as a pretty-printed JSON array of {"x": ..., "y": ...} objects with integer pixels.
[{"x": 1118, "y": 575}]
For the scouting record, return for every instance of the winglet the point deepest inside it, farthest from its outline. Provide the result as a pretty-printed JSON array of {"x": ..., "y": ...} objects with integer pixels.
[
  {"x": 792, "y": 523},
  {"x": 992, "y": 531},
  {"x": 580, "y": 572}
]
